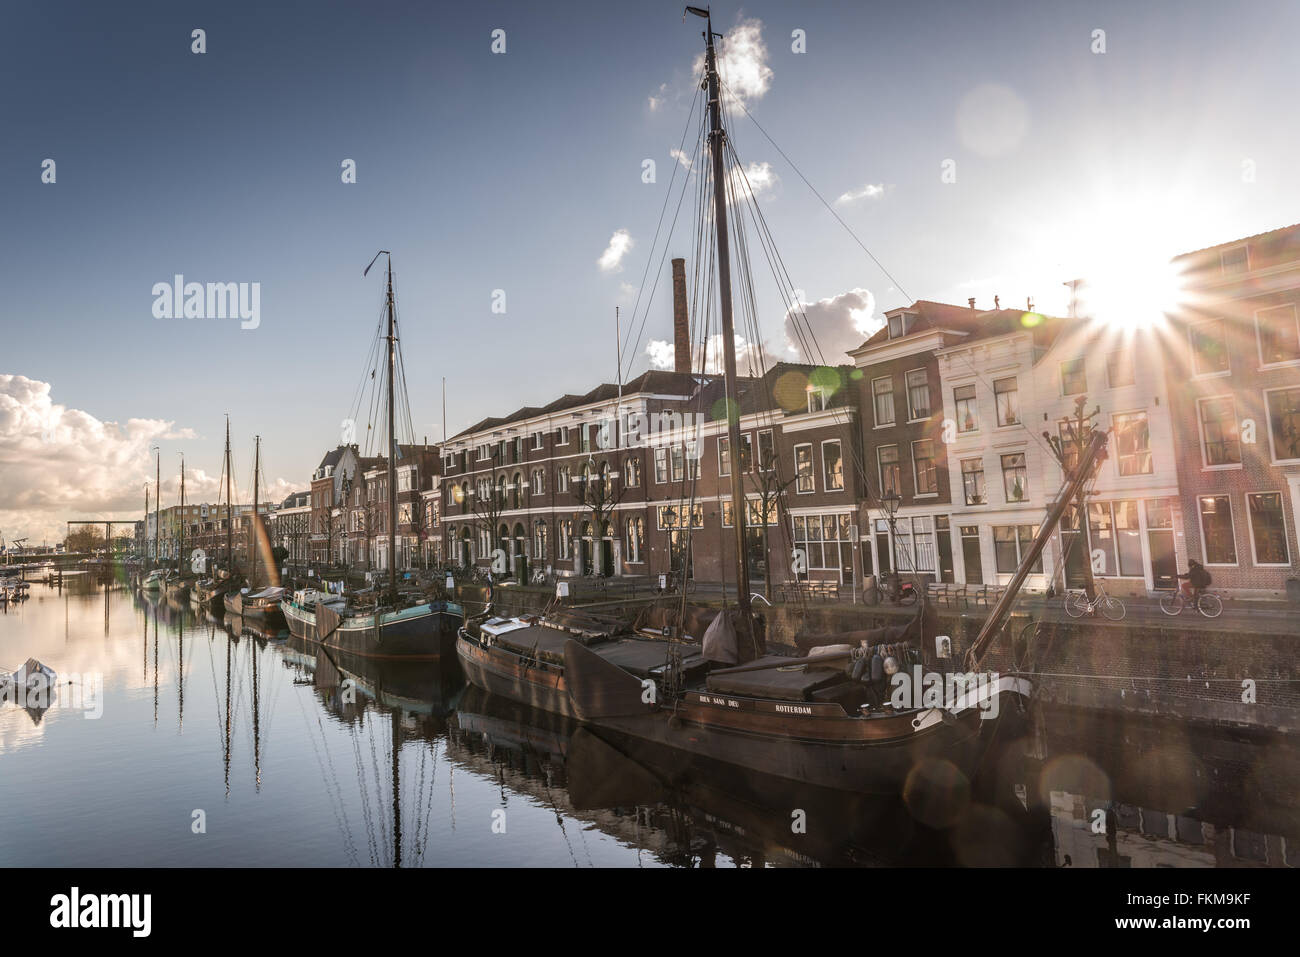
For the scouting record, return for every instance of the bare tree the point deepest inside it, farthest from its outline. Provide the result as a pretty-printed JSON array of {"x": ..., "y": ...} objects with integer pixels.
[{"x": 598, "y": 490}]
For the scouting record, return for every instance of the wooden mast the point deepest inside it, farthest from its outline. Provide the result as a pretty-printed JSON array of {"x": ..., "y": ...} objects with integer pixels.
[
  {"x": 230, "y": 550},
  {"x": 180, "y": 551},
  {"x": 392, "y": 444},
  {"x": 157, "y": 512},
  {"x": 717, "y": 141},
  {"x": 257, "y": 461}
]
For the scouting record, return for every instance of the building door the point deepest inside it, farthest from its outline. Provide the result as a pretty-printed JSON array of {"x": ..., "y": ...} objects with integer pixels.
[
  {"x": 970, "y": 554},
  {"x": 1160, "y": 539},
  {"x": 944, "y": 535},
  {"x": 1074, "y": 548},
  {"x": 882, "y": 547}
]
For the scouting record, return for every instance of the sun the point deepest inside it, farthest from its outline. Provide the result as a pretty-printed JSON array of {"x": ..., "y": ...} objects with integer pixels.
[{"x": 1133, "y": 288}]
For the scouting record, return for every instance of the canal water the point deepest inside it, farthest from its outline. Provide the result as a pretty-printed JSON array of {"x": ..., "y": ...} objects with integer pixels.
[{"x": 178, "y": 739}]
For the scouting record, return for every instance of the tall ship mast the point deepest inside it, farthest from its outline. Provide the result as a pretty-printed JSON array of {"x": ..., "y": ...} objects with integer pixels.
[
  {"x": 380, "y": 622},
  {"x": 826, "y": 719}
]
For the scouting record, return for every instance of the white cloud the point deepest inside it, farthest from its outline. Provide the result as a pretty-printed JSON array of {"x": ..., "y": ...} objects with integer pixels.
[
  {"x": 751, "y": 357},
  {"x": 611, "y": 260},
  {"x": 761, "y": 178},
  {"x": 838, "y": 324},
  {"x": 742, "y": 61},
  {"x": 867, "y": 191},
  {"x": 60, "y": 463},
  {"x": 680, "y": 156},
  {"x": 655, "y": 101}
]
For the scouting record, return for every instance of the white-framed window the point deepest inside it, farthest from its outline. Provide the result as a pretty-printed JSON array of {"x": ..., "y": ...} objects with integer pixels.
[
  {"x": 824, "y": 541},
  {"x": 1208, "y": 343},
  {"x": 1074, "y": 376},
  {"x": 918, "y": 395},
  {"x": 677, "y": 459},
  {"x": 924, "y": 469},
  {"x": 537, "y": 440},
  {"x": 972, "y": 481},
  {"x": 724, "y": 455},
  {"x": 882, "y": 392},
  {"x": 1015, "y": 477},
  {"x": 805, "y": 481},
  {"x": 1267, "y": 528},
  {"x": 832, "y": 466},
  {"x": 562, "y": 478},
  {"x": 818, "y": 398},
  {"x": 632, "y": 472},
  {"x": 963, "y": 397},
  {"x": 635, "y": 539},
  {"x": 1120, "y": 370},
  {"x": 674, "y": 516},
  {"x": 1283, "y": 407},
  {"x": 539, "y": 482},
  {"x": 1277, "y": 330},
  {"x": 661, "y": 465},
  {"x": 766, "y": 450},
  {"x": 1132, "y": 443},
  {"x": 901, "y": 324},
  {"x": 1218, "y": 536},
  {"x": 1006, "y": 395},
  {"x": 1220, "y": 432},
  {"x": 562, "y": 435},
  {"x": 891, "y": 475}
]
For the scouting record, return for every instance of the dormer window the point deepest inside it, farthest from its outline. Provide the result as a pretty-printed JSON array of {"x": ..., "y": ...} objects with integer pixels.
[
  {"x": 900, "y": 324},
  {"x": 817, "y": 399},
  {"x": 1235, "y": 260}
]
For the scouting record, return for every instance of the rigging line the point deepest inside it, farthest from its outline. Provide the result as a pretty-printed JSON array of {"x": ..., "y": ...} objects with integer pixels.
[
  {"x": 663, "y": 209},
  {"x": 663, "y": 256},
  {"x": 819, "y": 196}
]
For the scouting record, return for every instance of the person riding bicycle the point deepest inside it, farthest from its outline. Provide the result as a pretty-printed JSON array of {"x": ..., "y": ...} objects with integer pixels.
[{"x": 1198, "y": 579}]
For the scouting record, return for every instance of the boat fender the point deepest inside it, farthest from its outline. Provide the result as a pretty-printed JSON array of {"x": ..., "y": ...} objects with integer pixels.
[{"x": 877, "y": 668}]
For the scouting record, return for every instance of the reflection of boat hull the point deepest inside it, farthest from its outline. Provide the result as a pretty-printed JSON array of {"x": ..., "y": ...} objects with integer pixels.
[
  {"x": 426, "y": 631},
  {"x": 807, "y": 741}
]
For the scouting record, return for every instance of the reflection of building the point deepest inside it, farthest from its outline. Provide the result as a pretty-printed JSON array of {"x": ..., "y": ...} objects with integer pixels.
[
  {"x": 1132, "y": 836},
  {"x": 1236, "y": 406}
]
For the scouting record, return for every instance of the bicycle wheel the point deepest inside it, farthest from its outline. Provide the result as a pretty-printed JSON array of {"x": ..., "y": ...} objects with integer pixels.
[
  {"x": 1076, "y": 604},
  {"x": 1172, "y": 604},
  {"x": 1211, "y": 606},
  {"x": 1113, "y": 608}
]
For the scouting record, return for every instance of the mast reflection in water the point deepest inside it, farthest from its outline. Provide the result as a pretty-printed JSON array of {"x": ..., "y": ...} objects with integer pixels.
[{"x": 221, "y": 743}]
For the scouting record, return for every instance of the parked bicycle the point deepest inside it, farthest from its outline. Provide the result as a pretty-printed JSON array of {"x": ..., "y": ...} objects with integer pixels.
[
  {"x": 1211, "y": 606},
  {"x": 1077, "y": 604},
  {"x": 892, "y": 590}
]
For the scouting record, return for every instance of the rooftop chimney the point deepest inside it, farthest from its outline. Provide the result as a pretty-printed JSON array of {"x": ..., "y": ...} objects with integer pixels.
[
  {"x": 681, "y": 322},
  {"x": 971, "y": 302}
]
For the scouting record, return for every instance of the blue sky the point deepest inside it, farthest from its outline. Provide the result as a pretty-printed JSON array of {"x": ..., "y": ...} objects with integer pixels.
[{"x": 484, "y": 172}]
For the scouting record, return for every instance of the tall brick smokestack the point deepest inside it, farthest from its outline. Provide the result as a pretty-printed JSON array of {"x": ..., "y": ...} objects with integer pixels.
[{"x": 681, "y": 322}]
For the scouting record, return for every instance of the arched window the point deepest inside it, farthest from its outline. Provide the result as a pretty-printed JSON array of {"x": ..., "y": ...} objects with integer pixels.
[
  {"x": 635, "y": 539},
  {"x": 632, "y": 472},
  {"x": 607, "y": 481},
  {"x": 566, "y": 539},
  {"x": 501, "y": 492},
  {"x": 562, "y": 479},
  {"x": 539, "y": 482},
  {"x": 540, "y": 551},
  {"x": 516, "y": 490}
]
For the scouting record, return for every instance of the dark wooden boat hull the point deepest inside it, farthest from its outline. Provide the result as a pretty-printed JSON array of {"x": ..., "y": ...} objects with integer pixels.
[
  {"x": 425, "y": 637},
  {"x": 500, "y": 671},
  {"x": 810, "y": 742}
]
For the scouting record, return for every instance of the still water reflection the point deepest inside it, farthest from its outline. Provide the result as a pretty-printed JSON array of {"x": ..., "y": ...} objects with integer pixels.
[{"x": 216, "y": 744}]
